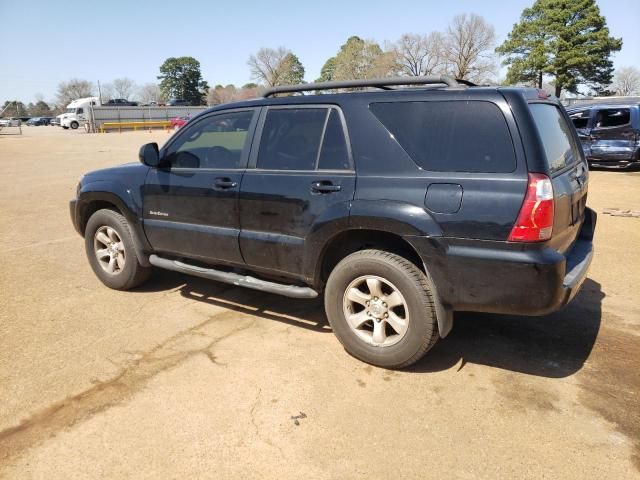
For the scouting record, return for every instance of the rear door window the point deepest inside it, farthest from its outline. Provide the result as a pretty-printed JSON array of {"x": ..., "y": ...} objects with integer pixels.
[
  {"x": 303, "y": 139},
  {"x": 455, "y": 136},
  {"x": 557, "y": 138}
]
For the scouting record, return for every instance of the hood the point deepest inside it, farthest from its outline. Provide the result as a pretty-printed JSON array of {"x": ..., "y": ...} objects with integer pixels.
[{"x": 125, "y": 171}]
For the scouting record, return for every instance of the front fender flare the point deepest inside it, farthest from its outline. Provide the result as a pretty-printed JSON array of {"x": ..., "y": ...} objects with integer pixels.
[{"x": 119, "y": 196}]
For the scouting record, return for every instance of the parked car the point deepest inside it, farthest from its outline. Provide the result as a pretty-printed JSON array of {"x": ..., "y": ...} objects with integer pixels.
[
  {"x": 609, "y": 132},
  {"x": 399, "y": 206},
  {"x": 36, "y": 121},
  {"x": 178, "y": 102},
  {"x": 179, "y": 122},
  {"x": 10, "y": 122},
  {"x": 120, "y": 102},
  {"x": 55, "y": 121}
]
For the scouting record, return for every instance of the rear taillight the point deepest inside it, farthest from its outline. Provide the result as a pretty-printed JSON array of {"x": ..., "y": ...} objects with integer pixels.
[{"x": 535, "y": 220}]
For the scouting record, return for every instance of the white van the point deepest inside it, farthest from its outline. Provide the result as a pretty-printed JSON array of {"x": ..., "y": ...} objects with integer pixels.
[{"x": 77, "y": 112}]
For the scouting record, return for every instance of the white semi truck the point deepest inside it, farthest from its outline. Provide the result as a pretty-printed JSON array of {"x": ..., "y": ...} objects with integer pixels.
[{"x": 77, "y": 112}]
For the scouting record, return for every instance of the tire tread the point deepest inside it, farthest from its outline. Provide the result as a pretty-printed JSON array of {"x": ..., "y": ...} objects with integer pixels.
[{"x": 419, "y": 278}]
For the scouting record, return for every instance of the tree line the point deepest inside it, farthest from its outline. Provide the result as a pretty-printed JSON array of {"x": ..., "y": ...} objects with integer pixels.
[{"x": 557, "y": 45}]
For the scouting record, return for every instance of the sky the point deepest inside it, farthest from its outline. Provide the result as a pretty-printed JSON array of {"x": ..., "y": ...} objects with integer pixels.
[{"x": 45, "y": 42}]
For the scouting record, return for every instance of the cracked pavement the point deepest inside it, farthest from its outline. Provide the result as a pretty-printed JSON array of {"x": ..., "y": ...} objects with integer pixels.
[{"x": 186, "y": 378}]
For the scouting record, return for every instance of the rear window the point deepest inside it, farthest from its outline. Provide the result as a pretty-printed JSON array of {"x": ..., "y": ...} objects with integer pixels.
[
  {"x": 453, "y": 136},
  {"x": 556, "y": 135}
]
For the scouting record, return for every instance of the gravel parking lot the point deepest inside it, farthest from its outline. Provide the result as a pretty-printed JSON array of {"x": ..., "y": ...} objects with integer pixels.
[{"x": 186, "y": 378}]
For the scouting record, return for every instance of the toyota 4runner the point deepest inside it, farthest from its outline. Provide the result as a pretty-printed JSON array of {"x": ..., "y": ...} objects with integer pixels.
[{"x": 400, "y": 206}]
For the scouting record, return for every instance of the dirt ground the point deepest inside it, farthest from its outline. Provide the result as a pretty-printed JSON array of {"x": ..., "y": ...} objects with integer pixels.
[{"x": 186, "y": 378}]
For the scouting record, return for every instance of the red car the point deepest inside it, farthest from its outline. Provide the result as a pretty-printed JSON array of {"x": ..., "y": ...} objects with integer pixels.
[{"x": 179, "y": 121}]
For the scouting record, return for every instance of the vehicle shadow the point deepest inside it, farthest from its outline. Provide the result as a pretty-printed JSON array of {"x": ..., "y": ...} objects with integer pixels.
[
  {"x": 553, "y": 346},
  {"x": 301, "y": 313},
  {"x": 629, "y": 169}
]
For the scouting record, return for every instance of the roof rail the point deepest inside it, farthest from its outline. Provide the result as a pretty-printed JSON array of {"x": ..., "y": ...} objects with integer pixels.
[{"x": 383, "y": 83}]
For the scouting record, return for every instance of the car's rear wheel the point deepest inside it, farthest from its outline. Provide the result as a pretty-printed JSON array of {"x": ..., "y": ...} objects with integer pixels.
[
  {"x": 111, "y": 251},
  {"x": 380, "y": 307}
]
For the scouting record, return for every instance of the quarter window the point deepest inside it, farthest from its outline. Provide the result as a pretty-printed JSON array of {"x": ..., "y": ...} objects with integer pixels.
[
  {"x": 456, "y": 136},
  {"x": 216, "y": 141}
]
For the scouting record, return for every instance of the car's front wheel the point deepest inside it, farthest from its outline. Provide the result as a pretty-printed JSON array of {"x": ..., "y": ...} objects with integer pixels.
[
  {"x": 74, "y": 125},
  {"x": 380, "y": 307},
  {"x": 111, "y": 251}
]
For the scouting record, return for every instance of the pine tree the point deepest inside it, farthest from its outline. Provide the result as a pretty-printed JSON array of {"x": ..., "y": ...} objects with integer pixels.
[
  {"x": 181, "y": 78},
  {"x": 565, "y": 39}
]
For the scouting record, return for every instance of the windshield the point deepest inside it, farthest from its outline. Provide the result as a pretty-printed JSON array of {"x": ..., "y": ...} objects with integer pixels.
[{"x": 70, "y": 110}]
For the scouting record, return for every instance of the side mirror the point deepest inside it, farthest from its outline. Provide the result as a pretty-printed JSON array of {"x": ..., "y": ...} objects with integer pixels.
[{"x": 149, "y": 155}]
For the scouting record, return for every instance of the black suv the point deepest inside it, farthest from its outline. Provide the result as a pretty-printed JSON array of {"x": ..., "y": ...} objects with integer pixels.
[
  {"x": 120, "y": 102},
  {"x": 610, "y": 132},
  {"x": 178, "y": 102},
  {"x": 401, "y": 206}
]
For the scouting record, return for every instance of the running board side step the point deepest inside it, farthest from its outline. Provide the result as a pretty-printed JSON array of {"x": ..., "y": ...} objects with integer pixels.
[{"x": 292, "y": 291}]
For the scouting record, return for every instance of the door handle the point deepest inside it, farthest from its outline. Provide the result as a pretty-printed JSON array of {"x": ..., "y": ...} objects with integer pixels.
[
  {"x": 325, "y": 187},
  {"x": 224, "y": 183}
]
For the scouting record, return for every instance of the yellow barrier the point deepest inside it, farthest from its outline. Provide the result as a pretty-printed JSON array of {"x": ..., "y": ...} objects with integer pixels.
[{"x": 134, "y": 125}]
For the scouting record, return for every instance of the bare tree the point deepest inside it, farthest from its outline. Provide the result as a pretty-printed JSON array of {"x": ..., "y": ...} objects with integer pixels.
[
  {"x": 626, "y": 81},
  {"x": 230, "y": 93},
  {"x": 72, "y": 90},
  {"x": 220, "y": 94},
  {"x": 106, "y": 92},
  {"x": 469, "y": 43},
  {"x": 264, "y": 65},
  {"x": 123, "y": 87},
  {"x": 417, "y": 55},
  {"x": 275, "y": 67},
  {"x": 150, "y": 92}
]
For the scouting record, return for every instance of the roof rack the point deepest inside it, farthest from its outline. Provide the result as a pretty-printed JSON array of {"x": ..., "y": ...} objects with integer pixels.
[{"x": 382, "y": 83}]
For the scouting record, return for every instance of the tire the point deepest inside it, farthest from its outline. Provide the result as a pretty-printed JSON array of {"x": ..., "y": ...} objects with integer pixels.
[
  {"x": 108, "y": 236},
  {"x": 378, "y": 340},
  {"x": 74, "y": 125}
]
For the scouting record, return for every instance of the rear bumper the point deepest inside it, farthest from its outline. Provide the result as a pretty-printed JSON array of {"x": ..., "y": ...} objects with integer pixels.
[{"x": 499, "y": 277}]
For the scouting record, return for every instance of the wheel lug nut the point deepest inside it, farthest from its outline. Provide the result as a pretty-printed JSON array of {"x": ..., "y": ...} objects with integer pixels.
[
  {"x": 375, "y": 298},
  {"x": 384, "y": 305},
  {"x": 368, "y": 302},
  {"x": 386, "y": 315}
]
